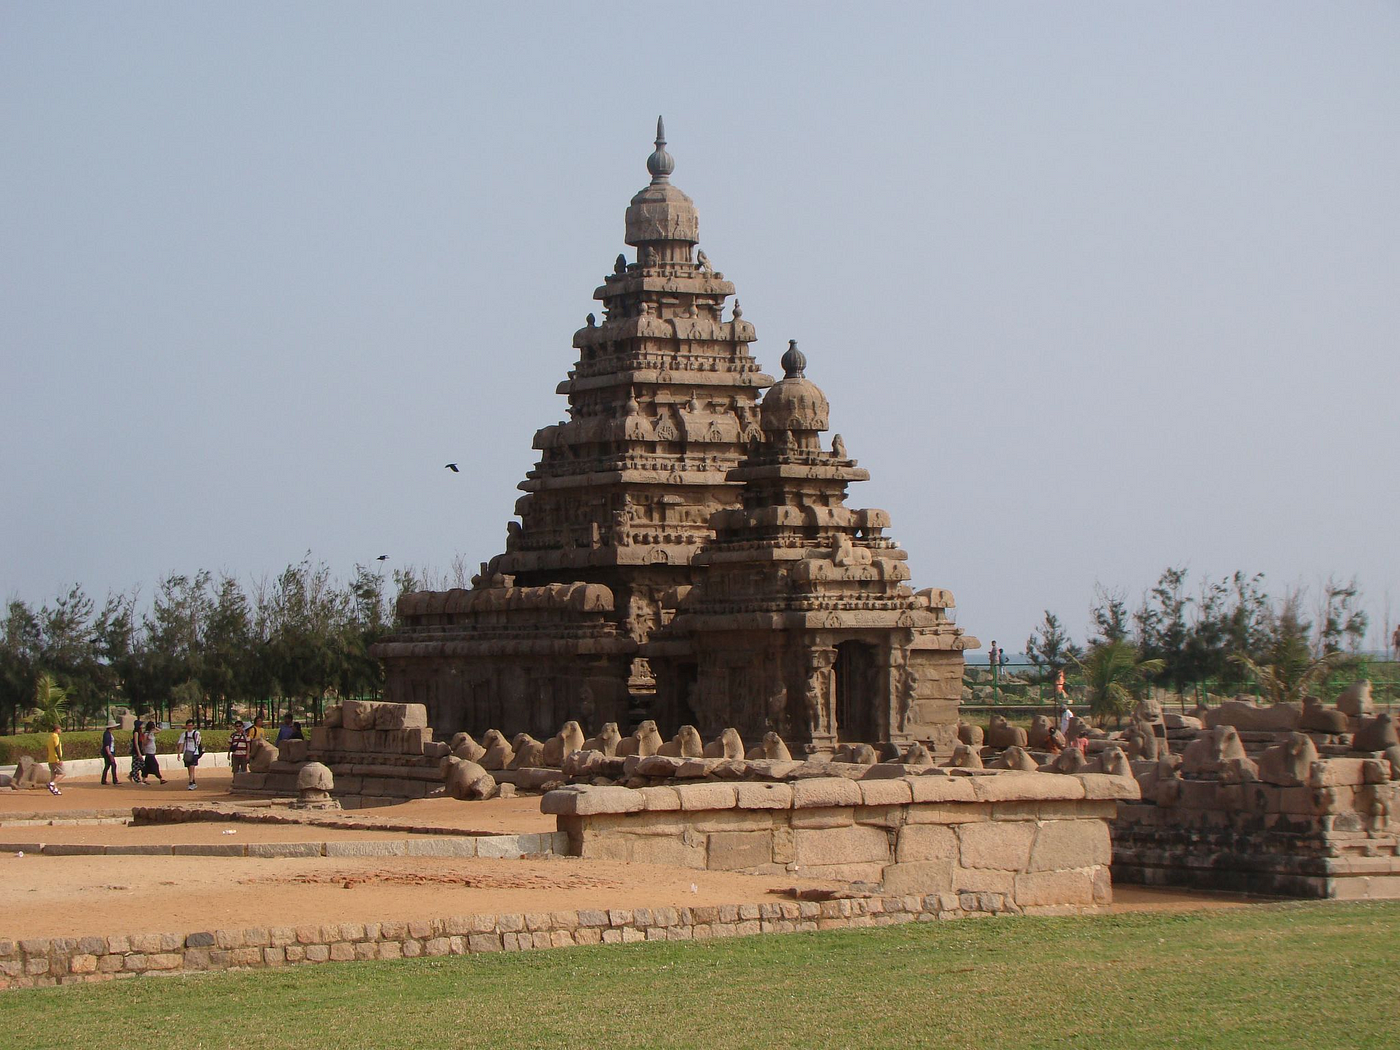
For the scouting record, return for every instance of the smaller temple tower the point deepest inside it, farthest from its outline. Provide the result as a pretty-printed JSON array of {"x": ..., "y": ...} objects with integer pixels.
[{"x": 802, "y": 622}]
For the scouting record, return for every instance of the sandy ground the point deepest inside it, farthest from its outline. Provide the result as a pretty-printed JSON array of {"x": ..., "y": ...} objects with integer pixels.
[
  {"x": 76, "y": 896},
  {"x": 188, "y": 834},
  {"x": 1166, "y": 898},
  {"x": 495, "y": 817}
]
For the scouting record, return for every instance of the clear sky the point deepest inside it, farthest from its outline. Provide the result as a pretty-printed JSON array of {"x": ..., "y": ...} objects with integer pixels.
[{"x": 1094, "y": 288}]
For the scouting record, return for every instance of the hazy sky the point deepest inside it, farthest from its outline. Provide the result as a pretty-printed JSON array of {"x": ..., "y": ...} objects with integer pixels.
[{"x": 1093, "y": 288}]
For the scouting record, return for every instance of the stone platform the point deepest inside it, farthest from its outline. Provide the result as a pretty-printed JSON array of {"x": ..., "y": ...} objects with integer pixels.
[{"x": 994, "y": 841}]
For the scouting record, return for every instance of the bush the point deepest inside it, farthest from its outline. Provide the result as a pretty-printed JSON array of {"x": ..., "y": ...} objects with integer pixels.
[{"x": 88, "y": 744}]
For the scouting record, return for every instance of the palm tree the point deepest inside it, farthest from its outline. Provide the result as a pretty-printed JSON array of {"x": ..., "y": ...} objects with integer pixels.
[
  {"x": 50, "y": 702},
  {"x": 1113, "y": 675},
  {"x": 1289, "y": 681}
]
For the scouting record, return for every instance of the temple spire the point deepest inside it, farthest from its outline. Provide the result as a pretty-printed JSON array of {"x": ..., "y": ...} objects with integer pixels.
[{"x": 660, "y": 163}]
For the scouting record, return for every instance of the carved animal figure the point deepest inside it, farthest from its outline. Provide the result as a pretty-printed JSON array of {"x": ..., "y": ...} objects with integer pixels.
[
  {"x": 1001, "y": 733},
  {"x": 1375, "y": 734},
  {"x": 1204, "y": 755},
  {"x": 1112, "y": 761},
  {"x": 860, "y": 754},
  {"x": 29, "y": 773},
  {"x": 529, "y": 752},
  {"x": 1243, "y": 713},
  {"x": 970, "y": 734},
  {"x": 1070, "y": 760},
  {"x": 606, "y": 741},
  {"x": 727, "y": 745},
  {"x": 685, "y": 744},
  {"x": 467, "y": 749},
  {"x": 1392, "y": 755},
  {"x": 644, "y": 742},
  {"x": 261, "y": 755},
  {"x": 1148, "y": 710},
  {"x": 770, "y": 748},
  {"x": 917, "y": 755},
  {"x": 1355, "y": 699},
  {"x": 469, "y": 781},
  {"x": 499, "y": 754},
  {"x": 1015, "y": 758},
  {"x": 568, "y": 740},
  {"x": 965, "y": 756},
  {"x": 1290, "y": 762},
  {"x": 1319, "y": 718},
  {"x": 1141, "y": 742},
  {"x": 1040, "y": 730}
]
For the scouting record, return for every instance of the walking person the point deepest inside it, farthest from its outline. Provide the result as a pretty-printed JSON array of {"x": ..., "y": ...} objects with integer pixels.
[
  {"x": 138, "y": 755},
  {"x": 109, "y": 754},
  {"x": 150, "y": 766},
  {"x": 55, "y": 759},
  {"x": 238, "y": 748},
  {"x": 190, "y": 748}
]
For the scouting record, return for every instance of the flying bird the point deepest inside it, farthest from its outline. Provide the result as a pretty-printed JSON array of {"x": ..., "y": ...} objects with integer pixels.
[
  {"x": 453, "y": 467},
  {"x": 382, "y": 557}
]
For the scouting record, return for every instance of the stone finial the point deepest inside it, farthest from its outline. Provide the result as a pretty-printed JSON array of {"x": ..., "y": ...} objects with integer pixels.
[
  {"x": 660, "y": 163},
  {"x": 794, "y": 362},
  {"x": 738, "y": 310}
]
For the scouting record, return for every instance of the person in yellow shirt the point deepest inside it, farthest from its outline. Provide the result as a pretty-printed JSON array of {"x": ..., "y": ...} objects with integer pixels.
[
  {"x": 55, "y": 760},
  {"x": 256, "y": 731}
]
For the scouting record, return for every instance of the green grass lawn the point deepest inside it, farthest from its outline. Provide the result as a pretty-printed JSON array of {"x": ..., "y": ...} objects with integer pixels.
[{"x": 1297, "y": 975}]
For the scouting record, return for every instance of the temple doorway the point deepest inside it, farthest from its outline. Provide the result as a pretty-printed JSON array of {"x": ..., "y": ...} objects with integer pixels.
[{"x": 856, "y": 699}]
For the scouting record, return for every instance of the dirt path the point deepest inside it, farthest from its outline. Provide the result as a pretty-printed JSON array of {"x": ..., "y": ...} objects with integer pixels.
[
  {"x": 502, "y": 816},
  {"x": 76, "y": 896},
  {"x": 1171, "y": 898}
]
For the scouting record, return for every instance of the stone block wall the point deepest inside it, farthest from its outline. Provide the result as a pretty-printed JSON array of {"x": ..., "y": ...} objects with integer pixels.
[
  {"x": 42, "y": 962},
  {"x": 375, "y": 751},
  {"x": 1001, "y": 841},
  {"x": 1334, "y": 835}
]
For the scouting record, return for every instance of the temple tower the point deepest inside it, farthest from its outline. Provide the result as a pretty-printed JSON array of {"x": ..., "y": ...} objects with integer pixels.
[
  {"x": 662, "y": 402},
  {"x": 803, "y": 622}
]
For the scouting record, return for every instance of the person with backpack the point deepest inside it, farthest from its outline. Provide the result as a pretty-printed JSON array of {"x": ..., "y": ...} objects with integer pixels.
[{"x": 190, "y": 748}]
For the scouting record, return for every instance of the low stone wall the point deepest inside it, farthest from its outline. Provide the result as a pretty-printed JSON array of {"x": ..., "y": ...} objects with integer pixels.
[
  {"x": 995, "y": 841},
  {"x": 493, "y": 846},
  {"x": 1335, "y": 834},
  {"x": 43, "y": 962}
]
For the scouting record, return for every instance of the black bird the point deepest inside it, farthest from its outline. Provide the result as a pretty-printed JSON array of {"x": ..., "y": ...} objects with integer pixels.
[
  {"x": 382, "y": 557},
  {"x": 453, "y": 467}
]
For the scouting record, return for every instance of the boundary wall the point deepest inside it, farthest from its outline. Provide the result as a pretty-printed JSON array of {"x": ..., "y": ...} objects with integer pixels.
[{"x": 996, "y": 841}]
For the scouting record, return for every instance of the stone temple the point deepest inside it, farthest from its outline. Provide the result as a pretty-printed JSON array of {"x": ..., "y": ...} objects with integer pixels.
[{"x": 683, "y": 551}]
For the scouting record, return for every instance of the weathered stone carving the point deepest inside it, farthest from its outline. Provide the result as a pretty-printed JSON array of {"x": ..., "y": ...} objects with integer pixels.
[{"x": 683, "y": 552}]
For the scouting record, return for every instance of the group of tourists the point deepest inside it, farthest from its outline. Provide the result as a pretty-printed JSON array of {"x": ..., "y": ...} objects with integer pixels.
[{"x": 145, "y": 764}]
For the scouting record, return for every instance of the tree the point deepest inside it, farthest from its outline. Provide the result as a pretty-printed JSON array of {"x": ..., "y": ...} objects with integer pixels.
[
  {"x": 49, "y": 705},
  {"x": 1113, "y": 678},
  {"x": 1110, "y": 613},
  {"x": 176, "y": 628},
  {"x": 228, "y": 650},
  {"x": 20, "y": 640},
  {"x": 1163, "y": 628},
  {"x": 1341, "y": 624},
  {"x": 1049, "y": 648},
  {"x": 1284, "y": 683}
]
